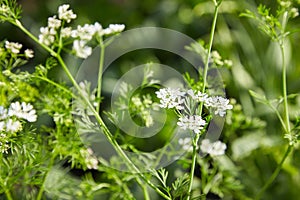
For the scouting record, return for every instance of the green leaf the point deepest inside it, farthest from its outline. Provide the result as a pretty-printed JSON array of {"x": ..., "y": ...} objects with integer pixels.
[{"x": 259, "y": 97}]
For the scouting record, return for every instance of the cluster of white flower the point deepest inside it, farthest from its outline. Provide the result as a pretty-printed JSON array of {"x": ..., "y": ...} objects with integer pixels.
[
  {"x": 90, "y": 160},
  {"x": 9, "y": 117},
  {"x": 213, "y": 148},
  {"x": 218, "y": 104},
  {"x": 194, "y": 123},
  {"x": 174, "y": 98},
  {"x": 186, "y": 144},
  {"x": 10, "y": 120},
  {"x": 82, "y": 35},
  {"x": 15, "y": 48},
  {"x": 171, "y": 98}
]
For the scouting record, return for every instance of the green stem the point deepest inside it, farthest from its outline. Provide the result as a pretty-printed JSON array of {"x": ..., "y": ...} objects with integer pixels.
[
  {"x": 101, "y": 61},
  {"x": 56, "y": 85},
  {"x": 8, "y": 195},
  {"x": 196, "y": 139},
  {"x": 286, "y": 111},
  {"x": 42, "y": 188},
  {"x": 284, "y": 88},
  {"x": 20, "y": 26},
  {"x": 212, "y": 34},
  {"x": 195, "y": 142},
  {"x": 275, "y": 173}
]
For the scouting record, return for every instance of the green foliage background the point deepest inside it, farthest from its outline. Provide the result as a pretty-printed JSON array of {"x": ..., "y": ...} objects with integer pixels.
[{"x": 253, "y": 135}]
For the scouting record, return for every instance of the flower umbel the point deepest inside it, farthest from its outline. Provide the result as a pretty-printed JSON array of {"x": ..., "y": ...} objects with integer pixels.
[
  {"x": 194, "y": 123},
  {"x": 213, "y": 149},
  {"x": 170, "y": 98}
]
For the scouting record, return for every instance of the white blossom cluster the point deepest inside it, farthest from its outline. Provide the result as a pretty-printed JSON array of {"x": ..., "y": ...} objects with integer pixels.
[
  {"x": 90, "y": 160},
  {"x": 15, "y": 48},
  {"x": 11, "y": 120},
  {"x": 82, "y": 34},
  {"x": 171, "y": 98},
  {"x": 213, "y": 148},
  {"x": 194, "y": 123},
  {"x": 174, "y": 98},
  {"x": 186, "y": 144}
]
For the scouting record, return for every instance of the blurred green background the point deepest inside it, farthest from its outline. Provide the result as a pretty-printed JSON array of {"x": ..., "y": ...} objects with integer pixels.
[{"x": 255, "y": 148}]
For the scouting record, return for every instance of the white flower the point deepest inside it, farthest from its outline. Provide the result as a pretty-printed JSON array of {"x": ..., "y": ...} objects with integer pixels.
[
  {"x": 213, "y": 149},
  {"x": 53, "y": 22},
  {"x": 114, "y": 28},
  {"x": 98, "y": 29},
  {"x": 85, "y": 32},
  {"x": 194, "y": 123},
  {"x": 65, "y": 14},
  {"x": 47, "y": 35},
  {"x": 15, "y": 109},
  {"x": 22, "y": 111},
  {"x": 186, "y": 144},
  {"x": 219, "y": 105},
  {"x": 66, "y": 32},
  {"x": 29, "y": 53},
  {"x": 3, "y": 112},
  {"x": 81, "y": 50},
  {"x": 170, "y": 98},
  {"x": 14, "y": 47},
  {"x": 13, "y": 126},
  {"x": 28, "y": 113},
  {"x": 90, "y": 160},
  {"x": 198, "y": 96},
  {"x": 2, "y": 125}
]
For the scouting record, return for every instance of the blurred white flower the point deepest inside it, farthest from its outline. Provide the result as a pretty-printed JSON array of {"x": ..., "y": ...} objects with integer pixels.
[
  {"x": 85, "y": 32},
  {"x": 2, "y": 126},
  {"x": 170, "y": 98},
  {"x": 14, "y": 47},
  {"x": 47, "y": 35},
  {"x": 81, "y": 50},
  {"x": 219, "y": 105},
  {"x": 22, "y": 111},
  {"x": 213, "y": 149},
  {"x": 90, "y": 160},
  {"x": 114, "y": 28},
  {"x": 66, "y": 32},
  {"x": 53, "y": 22},
  {"x": 13, "y": 126},
  {"x": 186, "y": 144},
  {"x": 65, "y": 14},
  {"x": 194, "y": 123},
  {"x": 3, "y": 112},
  {"x": 29, "y": 53},
  {"x": 198, "y": 96}
]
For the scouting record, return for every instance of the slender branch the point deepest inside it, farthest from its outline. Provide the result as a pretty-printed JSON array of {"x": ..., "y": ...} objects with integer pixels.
[
  {"x": 286, "y": 110},
  {"x": 195, "y": 142},
  {"x": 275, "y": 173},
  {"x": 196, "y": 139},
  {"x": 56, "y": 85},
  {"x": 101, "y": 61}
]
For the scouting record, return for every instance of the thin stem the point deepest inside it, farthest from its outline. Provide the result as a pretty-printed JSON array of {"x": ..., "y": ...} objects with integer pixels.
[
  {"x": 195, "y": 142},
  {"x": 286, "y": 111},
  {"x": 101, "y": 61},
  {"x": 275, "y": 173},
  {"x": 8, "y": 195},
  {"x": 212, "y": 34},
  {"x": 144, "y": 188},
  {"x": 19, "y": 25},
  {"x": 196, "y": 139},
  {"x": 284, "y": 88},
  {"x": 56, "y": 85}
]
